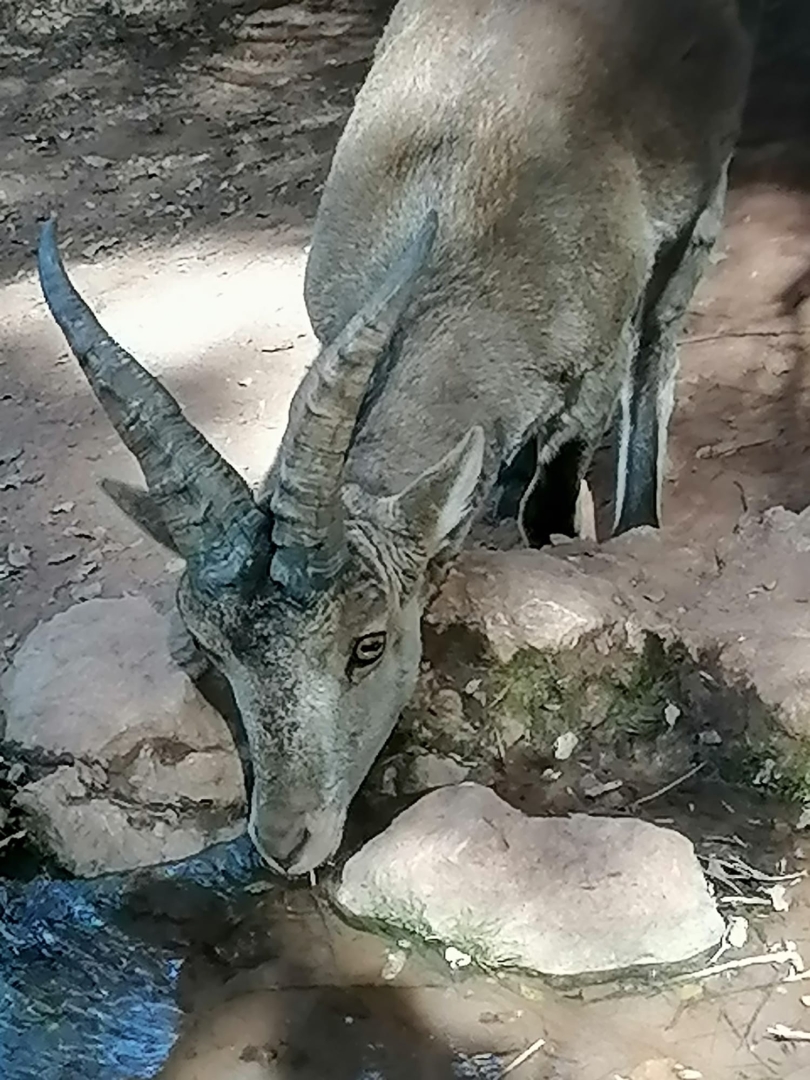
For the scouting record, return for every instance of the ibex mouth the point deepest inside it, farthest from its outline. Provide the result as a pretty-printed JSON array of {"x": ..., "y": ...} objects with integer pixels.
[{"x": 313, "y": 844}]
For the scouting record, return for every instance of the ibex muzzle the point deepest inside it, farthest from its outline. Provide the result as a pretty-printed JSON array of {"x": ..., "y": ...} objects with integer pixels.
[{"x": 515, "y": 219}]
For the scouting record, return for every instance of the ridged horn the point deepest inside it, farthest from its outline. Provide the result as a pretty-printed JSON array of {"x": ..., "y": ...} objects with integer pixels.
[
  {"x": 308, "y": 532},
  {"x": 207, "y": 507}
]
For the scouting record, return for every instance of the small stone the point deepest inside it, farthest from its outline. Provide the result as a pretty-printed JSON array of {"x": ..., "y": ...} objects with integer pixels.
[
  {"x": 558, "y": 896},
  {"x": 157, "y": 776},
  {"x": 88, "y": 590},
  {"x": 16, "y": 774},
  {"x": 779, "y": 897},
  {"x": 18, "y": 556},
  {"x": 594, "y": 789},
  {"x": 432, "y": 771},
  {"x": 561, "y": 606},
  {"x": 671, "y": 714},
  {"x": 737, "y": 932},
  {"x": 655, "y": 596},
  {"x": 96, "y": 161},
  {"x": 394, "y": 963},
  {"x": 60, "y": 557},
  {"x": 13, "y": 453},
  {"x": 456, "y": 958},
  {"x": 388, "y": 781},
  {"x": 82, "y": 572},
  {"x": 565, "y": 745},
  {"x": 512, "y": 728}
]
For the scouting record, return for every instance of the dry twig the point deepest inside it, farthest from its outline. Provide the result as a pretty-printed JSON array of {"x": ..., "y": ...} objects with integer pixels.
[
  {"x": 11, "y": 838},
  {"x": 746, "y": 901},
  {"x": 788, "y": 955},
  {"x": 785, "y": 1034},
  {"x": 523, "y": 1057},
  {"x": 668, "y": 787},
  {"x": 700, "y": 339}
]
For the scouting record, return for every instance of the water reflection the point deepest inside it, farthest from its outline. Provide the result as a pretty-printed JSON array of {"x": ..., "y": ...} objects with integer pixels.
[
  {"x": 210, "y": 970},
  {"x": 77, "y": 985},
  {"x": 98, "y": 977}
]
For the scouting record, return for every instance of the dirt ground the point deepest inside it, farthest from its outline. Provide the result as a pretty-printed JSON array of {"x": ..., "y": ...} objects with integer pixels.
[
  {"x": 185, "y": 166},
  {"x": 185, "y": 171}
]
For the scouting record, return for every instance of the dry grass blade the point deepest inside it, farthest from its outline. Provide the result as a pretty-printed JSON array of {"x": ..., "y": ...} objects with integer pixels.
[{"x": 785, "y": 1034}]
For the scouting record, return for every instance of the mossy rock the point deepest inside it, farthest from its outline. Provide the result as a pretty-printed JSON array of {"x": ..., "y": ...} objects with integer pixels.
[{"x": 623, "y": 665}]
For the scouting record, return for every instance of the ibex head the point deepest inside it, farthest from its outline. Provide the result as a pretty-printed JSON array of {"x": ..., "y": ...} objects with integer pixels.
[{"x": 310, "y": 601}]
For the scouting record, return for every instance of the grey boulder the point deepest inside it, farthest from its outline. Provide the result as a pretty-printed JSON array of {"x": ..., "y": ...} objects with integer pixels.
[{"x": 559, "y": 896}]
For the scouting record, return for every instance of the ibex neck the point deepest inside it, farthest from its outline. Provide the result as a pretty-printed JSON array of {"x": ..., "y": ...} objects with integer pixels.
[{"x": 441, "y": 380}]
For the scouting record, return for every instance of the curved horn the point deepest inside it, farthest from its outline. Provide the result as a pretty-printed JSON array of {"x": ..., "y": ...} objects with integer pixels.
[
  {"x": 207, "y": 507},
  {"x": 305, "y": 500}
]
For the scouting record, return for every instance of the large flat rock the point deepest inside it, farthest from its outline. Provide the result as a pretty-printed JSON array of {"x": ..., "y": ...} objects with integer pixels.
[
  {"x": 152, "y": 773},
  {"x": 99, "y": 679},
  {"x": 559, "y": 896}
]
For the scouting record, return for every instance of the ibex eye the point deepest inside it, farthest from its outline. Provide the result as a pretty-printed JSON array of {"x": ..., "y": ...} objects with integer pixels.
[{"x": 368, "y": 650}]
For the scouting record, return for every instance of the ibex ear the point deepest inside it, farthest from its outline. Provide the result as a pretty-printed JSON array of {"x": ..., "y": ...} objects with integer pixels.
[
  {"x": 141, "y": 508},
  {"x": 440, "y": 500}
]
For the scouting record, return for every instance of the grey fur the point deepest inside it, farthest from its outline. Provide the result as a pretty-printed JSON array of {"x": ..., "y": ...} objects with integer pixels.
[{"x": 575, "y": 153}]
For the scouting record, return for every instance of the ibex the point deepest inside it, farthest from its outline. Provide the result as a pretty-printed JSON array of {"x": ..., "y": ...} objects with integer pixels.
[{"x": 515, "y": 219}]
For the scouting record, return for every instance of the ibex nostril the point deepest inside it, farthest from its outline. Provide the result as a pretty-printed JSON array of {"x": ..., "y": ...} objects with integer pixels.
[{"x": 288, "y": 860}]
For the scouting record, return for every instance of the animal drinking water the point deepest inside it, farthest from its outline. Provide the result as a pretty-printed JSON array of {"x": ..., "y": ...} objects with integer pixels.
[{"x": 515, "y": 219}]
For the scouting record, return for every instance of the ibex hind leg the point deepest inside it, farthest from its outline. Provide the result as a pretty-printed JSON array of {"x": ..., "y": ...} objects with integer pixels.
[
  {"x": 647, "y": 398},
  {"x": 552, "y": 501}
]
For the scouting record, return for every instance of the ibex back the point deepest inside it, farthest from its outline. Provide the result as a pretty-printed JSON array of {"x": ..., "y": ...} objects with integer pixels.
[{"x": 516, "y": 216}]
